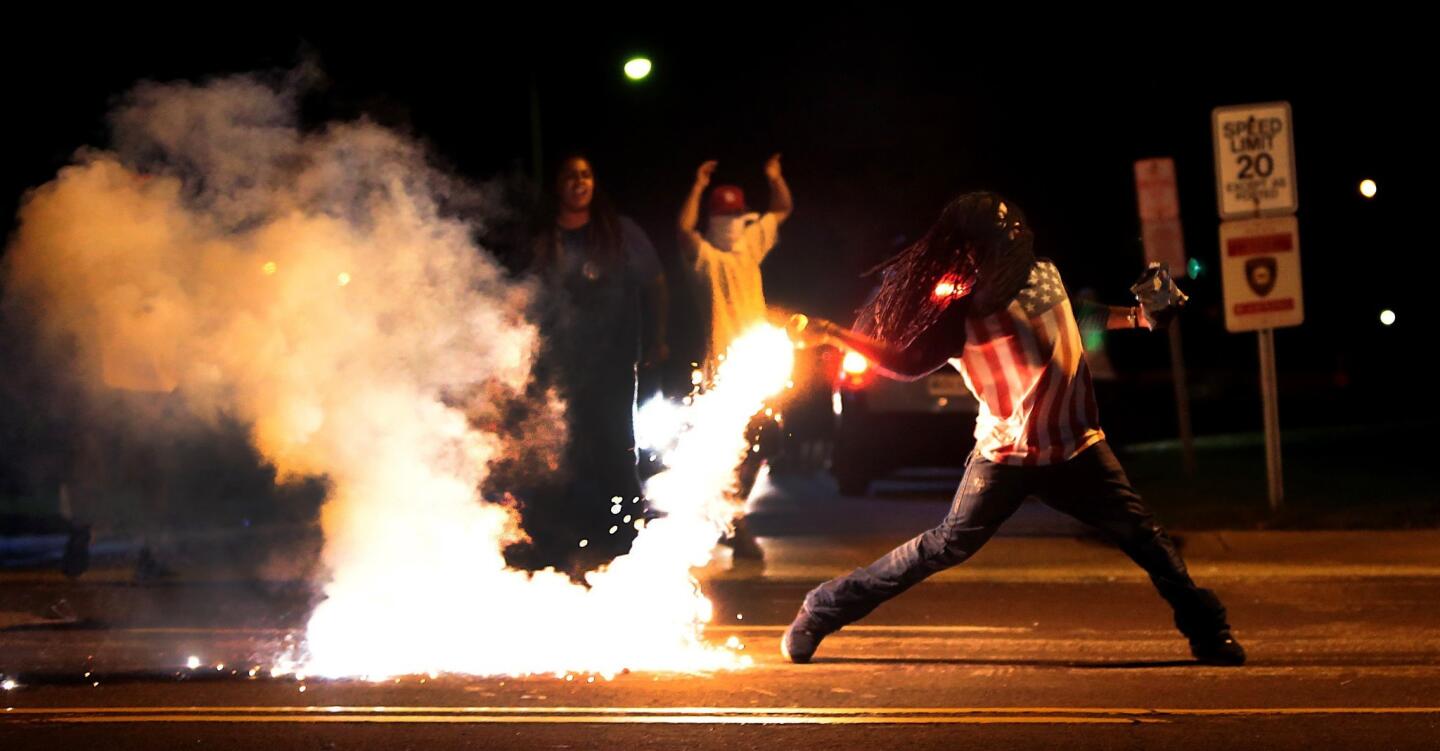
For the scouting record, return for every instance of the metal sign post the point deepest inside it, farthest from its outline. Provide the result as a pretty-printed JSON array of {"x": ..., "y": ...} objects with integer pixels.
[
  {"x": 1159, "y": 204},
  {"x": 1260, "y": 255},
  {"x": 1270, "y": 403}
]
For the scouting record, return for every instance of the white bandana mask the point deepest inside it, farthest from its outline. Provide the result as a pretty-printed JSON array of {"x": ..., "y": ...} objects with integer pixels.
[{"x": 725, "y": 230}]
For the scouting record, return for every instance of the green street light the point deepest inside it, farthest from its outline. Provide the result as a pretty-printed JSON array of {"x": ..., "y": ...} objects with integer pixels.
[{"x": 637, "y": 68}]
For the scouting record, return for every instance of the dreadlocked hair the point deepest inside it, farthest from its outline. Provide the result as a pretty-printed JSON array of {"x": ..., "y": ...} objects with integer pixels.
[{"x": 980, "y": 249}]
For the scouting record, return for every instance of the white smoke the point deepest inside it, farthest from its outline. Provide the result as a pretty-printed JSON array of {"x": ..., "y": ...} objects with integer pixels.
[{"x": 313, "y": 285}]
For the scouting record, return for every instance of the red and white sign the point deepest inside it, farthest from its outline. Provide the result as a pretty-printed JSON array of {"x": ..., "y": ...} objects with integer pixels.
[
  {"x": 1155, "y": 187},
  {"x": 1159, "y": 205},
  {"x": 1260, "y": 270}
]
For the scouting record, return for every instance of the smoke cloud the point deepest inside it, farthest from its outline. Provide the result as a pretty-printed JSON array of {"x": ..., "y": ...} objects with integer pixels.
[{"x": 222, "y": 265}]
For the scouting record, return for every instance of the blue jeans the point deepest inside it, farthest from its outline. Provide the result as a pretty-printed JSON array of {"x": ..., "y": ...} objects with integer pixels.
[{"x": 1091, "y": 487}]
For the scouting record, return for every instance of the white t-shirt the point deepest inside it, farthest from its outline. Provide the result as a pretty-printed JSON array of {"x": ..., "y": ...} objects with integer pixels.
[{"x": 729, "y": 283}]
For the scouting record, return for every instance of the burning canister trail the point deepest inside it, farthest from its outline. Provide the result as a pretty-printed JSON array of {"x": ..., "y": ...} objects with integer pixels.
[{"x": 308, "y": 284}]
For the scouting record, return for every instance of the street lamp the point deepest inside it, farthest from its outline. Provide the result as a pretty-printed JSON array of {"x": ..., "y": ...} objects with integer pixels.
[{"x": 638, "y": 68}]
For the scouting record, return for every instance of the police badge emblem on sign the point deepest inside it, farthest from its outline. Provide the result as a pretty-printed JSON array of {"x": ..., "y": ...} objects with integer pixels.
[
  {"x": 1260, "y": 273},
  {"x": 1157, "y": 294}
]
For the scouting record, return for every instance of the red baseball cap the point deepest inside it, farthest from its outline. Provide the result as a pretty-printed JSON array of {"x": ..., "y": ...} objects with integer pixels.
[{"x": 727, "y": 199}]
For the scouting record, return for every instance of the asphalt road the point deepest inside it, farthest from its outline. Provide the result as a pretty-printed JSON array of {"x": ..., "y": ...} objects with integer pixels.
[{"x": 1044, "y": 640}]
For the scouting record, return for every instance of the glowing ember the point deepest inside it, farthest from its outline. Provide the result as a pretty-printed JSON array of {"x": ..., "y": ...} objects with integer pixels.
[{"x": 949, "y": 286}]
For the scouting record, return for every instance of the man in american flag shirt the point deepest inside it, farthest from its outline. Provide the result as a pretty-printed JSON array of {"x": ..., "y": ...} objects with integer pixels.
[{"x": 972, "y": 294}]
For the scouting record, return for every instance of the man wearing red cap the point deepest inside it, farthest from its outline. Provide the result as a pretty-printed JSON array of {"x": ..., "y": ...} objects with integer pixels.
[
  {"x": 724, "y": 263},
  {"x": 725, "y": 259}
]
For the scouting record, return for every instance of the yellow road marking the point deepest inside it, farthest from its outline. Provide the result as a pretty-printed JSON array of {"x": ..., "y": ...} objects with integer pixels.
[
  {"x": 883, "y": 629},
  {"x": 607, "y": 719},
  {"x": 698, "y": 715}
]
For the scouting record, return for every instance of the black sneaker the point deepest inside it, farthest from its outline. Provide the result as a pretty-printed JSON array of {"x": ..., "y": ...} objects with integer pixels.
[
  {"x": 800, "y": 640},
  {"x": 1219, "y": 649},
  {"x": 744, "y": 547},
  {"x": 742, "y": 543}
]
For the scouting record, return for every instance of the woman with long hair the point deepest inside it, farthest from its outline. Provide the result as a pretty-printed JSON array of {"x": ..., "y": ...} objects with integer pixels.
[{"x": 602, "y": 315}]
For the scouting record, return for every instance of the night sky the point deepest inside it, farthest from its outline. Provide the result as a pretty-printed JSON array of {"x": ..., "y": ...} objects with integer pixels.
[{"x": 880, "y": 122}]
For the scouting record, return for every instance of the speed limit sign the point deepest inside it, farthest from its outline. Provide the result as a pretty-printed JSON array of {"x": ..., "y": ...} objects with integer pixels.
[{"x": 1254, "y": 160}]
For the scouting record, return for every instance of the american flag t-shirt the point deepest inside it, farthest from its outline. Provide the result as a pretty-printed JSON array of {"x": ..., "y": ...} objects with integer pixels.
[{"x": 1026, "y": 367}]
